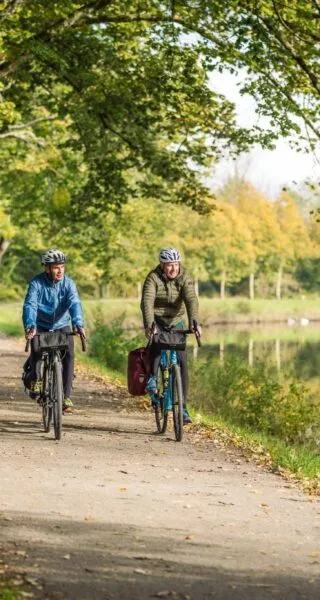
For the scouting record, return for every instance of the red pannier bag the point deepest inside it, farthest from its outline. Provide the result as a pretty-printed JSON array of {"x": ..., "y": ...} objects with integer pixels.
[{"x": 139, "y": 367}]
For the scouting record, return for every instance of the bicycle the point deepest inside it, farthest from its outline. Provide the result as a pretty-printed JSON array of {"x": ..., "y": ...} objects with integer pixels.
[
  {"x": 169, "y": 396},
  {"x": 51, "y": 346}
]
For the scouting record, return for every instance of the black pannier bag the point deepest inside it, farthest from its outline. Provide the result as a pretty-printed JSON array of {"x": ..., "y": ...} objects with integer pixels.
[
  {"x": 27, "y": 374},
  {"x": 166, "y": 339},
  {"x": 50, "y": 339}
]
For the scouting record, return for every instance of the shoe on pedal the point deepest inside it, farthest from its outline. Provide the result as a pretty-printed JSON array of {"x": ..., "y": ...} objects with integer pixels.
[
  {"x": 67, "y": 406},
  {"x": 152, "y": 384},
  {"x": 186, "y": 417},
  {"x": 35, "y": 389}
]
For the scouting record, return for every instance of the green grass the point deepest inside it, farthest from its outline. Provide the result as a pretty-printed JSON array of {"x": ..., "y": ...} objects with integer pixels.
[
  {"x": 215, "y": 310},
  {"x": 10, "y": 319},
  {"x": 95, "y": 364},
  {"x": 212, "y": 311},
  {"x": 9, "y": 593},
  {"x": 304, "y": 463}
]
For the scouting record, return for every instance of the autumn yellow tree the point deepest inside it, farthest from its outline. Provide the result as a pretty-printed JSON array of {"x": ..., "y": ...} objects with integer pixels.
[
  {"x": 296, "y": 242},
  {"x": 7, "y": 231},
  {"x": 260, "y": 219},
  {"x": 227, "y": 245}
]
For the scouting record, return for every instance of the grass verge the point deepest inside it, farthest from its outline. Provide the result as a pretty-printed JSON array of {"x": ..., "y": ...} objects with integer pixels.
[
  {"x": 9, "y": 593},
  {"x": 294, "y": 462}
]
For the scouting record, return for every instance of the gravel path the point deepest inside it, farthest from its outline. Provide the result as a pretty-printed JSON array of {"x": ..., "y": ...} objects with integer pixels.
[{"x": 116, "y": 512}]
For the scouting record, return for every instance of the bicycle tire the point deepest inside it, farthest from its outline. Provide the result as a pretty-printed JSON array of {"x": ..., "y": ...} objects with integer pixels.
[
  {"x": 177, "y": 403},
  {"x": 161, "y": 416},
  {"x": 46, "y": 402},
  {"x": 57, "y": 389}
]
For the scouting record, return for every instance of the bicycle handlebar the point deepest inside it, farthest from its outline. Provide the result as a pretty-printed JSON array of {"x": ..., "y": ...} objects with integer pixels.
[
  {"x": 195, "y": 331},
  {"x": 82, "y": 338}
]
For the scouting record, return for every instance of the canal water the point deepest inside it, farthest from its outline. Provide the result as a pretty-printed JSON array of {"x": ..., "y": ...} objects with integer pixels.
[{"x": 292, "y": 350}]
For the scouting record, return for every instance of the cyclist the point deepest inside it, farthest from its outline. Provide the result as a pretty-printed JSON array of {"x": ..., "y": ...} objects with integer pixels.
[
  {"x": 51, "y": 300},
  {"x": 167, "y": 291}
]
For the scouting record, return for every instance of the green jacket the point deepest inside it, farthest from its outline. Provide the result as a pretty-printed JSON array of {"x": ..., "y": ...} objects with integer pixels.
[{"x": 165, "y": 299}]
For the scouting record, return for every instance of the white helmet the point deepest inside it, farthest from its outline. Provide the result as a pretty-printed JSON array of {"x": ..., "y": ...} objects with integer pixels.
[
  {"x": 53, "y": 256},
  {"x": 168, "y": 255}
]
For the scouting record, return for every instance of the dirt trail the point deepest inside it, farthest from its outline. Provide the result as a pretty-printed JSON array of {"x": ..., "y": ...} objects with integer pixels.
[{"x": 116, "y": 512}]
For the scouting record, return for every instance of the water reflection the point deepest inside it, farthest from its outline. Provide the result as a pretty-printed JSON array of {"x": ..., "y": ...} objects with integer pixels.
[{"x": 295, "y": 351}]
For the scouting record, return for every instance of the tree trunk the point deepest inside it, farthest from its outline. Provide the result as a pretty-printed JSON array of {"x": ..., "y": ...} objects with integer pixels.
[
  {"x": 251, "y": 286},
  {"x": 223, "y": 285},
  {"x": 221, "y": 353},
  {"x": 139, "y": 290},
  {"x": 4, "y": 245},
  {"x": 250, "y": 352},
  {"x": 278, "y": 354},
  {"x": 279, "y": 283}
]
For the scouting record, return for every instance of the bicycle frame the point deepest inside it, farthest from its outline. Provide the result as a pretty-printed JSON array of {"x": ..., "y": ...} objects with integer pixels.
[{"x": 168, "y": 359}]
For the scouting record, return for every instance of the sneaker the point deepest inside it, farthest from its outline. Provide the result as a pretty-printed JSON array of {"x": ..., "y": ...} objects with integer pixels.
[
  {"x": 152, "y": 385},
  {"x": 67, "y": 406},
  {"x": 35, "y": 389},
  {"x": 186, "y": 417}
]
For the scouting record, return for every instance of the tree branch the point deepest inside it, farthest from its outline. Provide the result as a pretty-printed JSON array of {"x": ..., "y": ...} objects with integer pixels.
[
  {"x": 277, "y": 85},
  {"x": 27, "y": 139},
  {"x": 31, "y": 123},
  {"x": 290, "y": 50}
]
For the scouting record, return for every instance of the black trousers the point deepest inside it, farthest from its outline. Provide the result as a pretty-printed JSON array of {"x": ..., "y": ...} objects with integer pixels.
[
  {"x": 183, "y": 359},
  {"x": 67, "y": 362}
]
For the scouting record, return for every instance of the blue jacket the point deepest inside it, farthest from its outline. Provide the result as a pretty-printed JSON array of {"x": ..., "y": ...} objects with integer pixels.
[{"x": 50, "y": 305}]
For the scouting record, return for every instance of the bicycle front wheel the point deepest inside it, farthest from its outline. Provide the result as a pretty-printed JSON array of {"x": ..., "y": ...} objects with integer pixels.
[
  {"x": 57, "y": 389},
  {"x": 177, "y": 402},
  {"x": 161, "y": 415},
  {"x": 46, "y": 402}
]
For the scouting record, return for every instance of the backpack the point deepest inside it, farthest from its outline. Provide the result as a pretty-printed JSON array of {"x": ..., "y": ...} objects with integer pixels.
[
  {"x": 139, "y": 367},
  {"x": 27, "y": 374}
]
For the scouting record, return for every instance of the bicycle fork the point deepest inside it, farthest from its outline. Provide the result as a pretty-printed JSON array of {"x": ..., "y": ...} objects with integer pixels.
[{"x": 167, "y": 379}]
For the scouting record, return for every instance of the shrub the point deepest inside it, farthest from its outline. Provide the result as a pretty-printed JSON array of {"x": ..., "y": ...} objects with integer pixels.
[
  {"x": 110, "y": 344},
  {"x": 256, "y": 397}
]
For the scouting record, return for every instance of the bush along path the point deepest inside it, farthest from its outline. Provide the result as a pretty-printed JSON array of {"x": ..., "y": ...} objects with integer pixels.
[{"x": 115, "y": 511}]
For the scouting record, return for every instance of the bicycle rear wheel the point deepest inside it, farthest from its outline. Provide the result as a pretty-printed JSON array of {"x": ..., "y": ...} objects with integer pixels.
[
  {"x": 46, "y": 402},
  {"x": 177, "y": 403},
  {"x": 160, "y": 414},
  {"x": 57, "y": 396}
]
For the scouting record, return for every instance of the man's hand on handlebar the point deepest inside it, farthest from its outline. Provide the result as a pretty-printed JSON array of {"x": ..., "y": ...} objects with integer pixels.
[
  {"x": 80, "y": 331},
  {"x": 149, "y": 331},
  {"x": 197, "y": 329},
  {"x": 30, "y": 333}
]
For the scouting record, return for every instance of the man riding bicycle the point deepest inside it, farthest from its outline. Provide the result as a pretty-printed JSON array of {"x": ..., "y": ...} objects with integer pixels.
[
  {"x": 167, "y": 291},
  {"x": 52, "y": 299}
]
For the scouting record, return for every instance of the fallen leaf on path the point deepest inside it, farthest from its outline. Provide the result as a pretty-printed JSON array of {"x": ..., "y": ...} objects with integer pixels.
[
  {"x": 140, "y": 571},
  {"x": 17, "y": 582},
  {"x": 123, "y": 489},
  {"x": 165, "y": 594},
  {"x": 189, "y": 537},
  {"x": 34, "y": 582},
  {"x": 67, "y": 556}
]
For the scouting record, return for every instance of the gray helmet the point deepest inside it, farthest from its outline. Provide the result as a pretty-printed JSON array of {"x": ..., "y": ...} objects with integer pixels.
[
  {"x": 53, "y": 256},
  {"x": 168, "y": 255}
]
